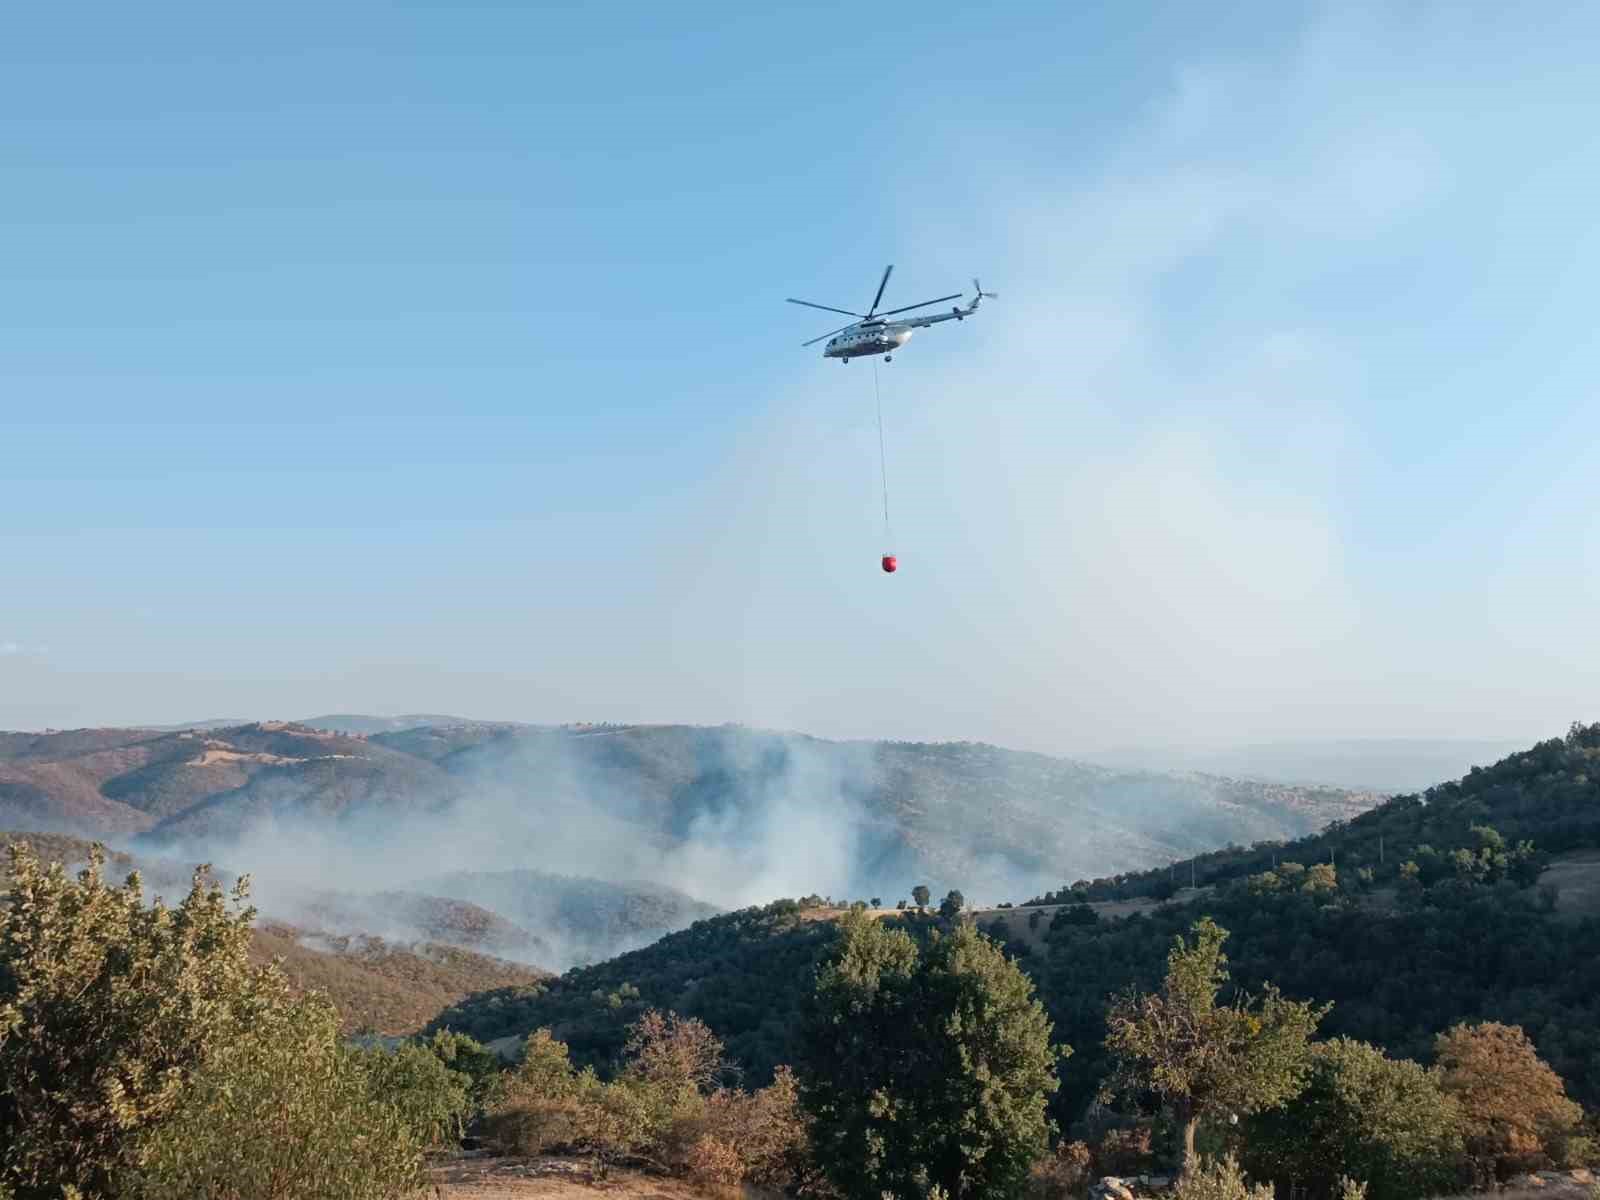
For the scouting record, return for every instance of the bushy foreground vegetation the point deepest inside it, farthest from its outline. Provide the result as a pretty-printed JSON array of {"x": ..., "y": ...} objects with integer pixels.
[
  {"x": 143, "y": 1055},
  {"x": 670, "y": 1105}
]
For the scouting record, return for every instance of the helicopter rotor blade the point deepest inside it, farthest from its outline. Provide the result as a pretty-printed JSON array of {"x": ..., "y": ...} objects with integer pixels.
[
  {"x": 825, "y": 307},
  {"x": 924, "y": 304},
  {"x": 830, "y": 333},
  {"x": 883, "y": 283}
]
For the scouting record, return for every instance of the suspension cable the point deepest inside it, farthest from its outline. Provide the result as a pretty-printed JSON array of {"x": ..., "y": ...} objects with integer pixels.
[{"x": 883, "y": 461}]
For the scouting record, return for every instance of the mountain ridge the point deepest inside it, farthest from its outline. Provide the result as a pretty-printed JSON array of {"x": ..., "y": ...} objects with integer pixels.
[{"x": 675, "y": 804}]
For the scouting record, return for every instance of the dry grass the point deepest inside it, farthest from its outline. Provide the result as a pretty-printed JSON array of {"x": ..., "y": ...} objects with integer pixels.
[{"x": 394, "y": 989}]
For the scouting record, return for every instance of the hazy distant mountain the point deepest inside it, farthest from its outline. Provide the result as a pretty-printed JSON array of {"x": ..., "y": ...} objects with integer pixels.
[
  {"x": 1379, "y": 764},
  {"x": 870, "y": 817},
  {"x": 727, "y": 814}
]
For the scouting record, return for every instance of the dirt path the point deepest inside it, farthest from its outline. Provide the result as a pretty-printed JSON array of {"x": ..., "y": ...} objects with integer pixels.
[{"x": 487, "y": 1177}]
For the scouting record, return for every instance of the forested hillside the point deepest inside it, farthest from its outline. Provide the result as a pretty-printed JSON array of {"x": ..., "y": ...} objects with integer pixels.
[
  {"x": 1454, "y": 921},
  {"x": 1547, "y": 793}
]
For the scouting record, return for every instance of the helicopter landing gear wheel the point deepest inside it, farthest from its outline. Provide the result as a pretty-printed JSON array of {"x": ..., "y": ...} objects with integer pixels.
[{"x": 887, "y": 359}]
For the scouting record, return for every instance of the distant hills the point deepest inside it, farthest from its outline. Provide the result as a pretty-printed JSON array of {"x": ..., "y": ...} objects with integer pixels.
[{"x": 727, "y": 814}]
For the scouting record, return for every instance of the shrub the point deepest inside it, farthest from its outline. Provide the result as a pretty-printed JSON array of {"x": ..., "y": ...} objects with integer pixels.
[
  {"x": 1064, "y": 1173},
  {"x": 429, "y": 1097},
  {"x": 1577, "y": 1150},
  {"x": 108, "y": 1007},
  {"x": 764, "y": 1131},
  {"x": 1361, "y": 1114},
  {"x": 677, "y": 1054},
  {"x": 1126, "y": 1150},
  {"x": 656, "y": 1108},
  {"x": 1218, "y": 1179},
  {"x": 712, "y": 1160},
  {"x": 288, "y": 1115},
  {"x": 541, "y": 1104},
  {"x": 141, "y": 1054},
  {"x": 468, "y": 1057}
]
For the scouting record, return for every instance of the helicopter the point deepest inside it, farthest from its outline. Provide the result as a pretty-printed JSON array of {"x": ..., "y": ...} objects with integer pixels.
[{"x": 872, "y": 334}]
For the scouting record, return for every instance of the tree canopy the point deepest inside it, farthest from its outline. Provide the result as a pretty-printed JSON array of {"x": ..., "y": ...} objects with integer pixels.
[
  {"x": 925, "y": 1067},
  {"x": 1203, "y": 1059},
  {"x": 1363, "y": 1115}
]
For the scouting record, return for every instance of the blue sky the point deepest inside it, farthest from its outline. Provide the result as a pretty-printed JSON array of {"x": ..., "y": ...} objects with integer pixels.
[{"x": 398, "y": 357}]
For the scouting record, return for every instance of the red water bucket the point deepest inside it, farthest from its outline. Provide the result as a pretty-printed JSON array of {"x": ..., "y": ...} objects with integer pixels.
[{"x": 890, "y": 564}]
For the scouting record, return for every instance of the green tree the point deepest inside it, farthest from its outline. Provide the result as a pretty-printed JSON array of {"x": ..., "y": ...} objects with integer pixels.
[
  {"x": 920, "y": 895},
  {"x": 950, "y": 907},
  {"x": 288, "y": 1114},
  {"x": 925, "y": 1069},
  {"x": 430, "y": 1097},
  {"x": 468, "y": 1057},
  {"x": 141, "y": 1053},
  {"x": 107, "y": 1008},
  {"x": 1203, "y": 1059},
  {"x": 1363, "y": 1115}
]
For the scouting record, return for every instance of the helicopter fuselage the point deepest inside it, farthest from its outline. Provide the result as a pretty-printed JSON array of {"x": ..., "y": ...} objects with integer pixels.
[{"x": 884, "y": 338}]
